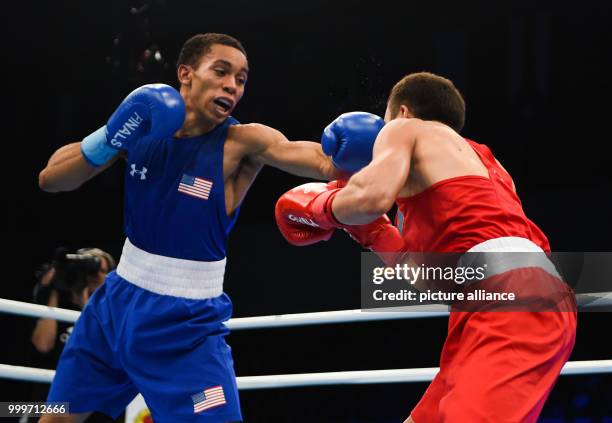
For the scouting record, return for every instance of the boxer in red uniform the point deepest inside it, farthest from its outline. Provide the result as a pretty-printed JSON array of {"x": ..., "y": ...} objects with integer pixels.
[{"x": 452, "y": 196}]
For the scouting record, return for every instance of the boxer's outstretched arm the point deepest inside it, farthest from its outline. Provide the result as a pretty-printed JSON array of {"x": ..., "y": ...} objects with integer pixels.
[
  {"x": 153, "y": 110},
  {"x": 270, "y": 147},
  {"x": 373, "y": 190},
  {"x": 67, "y": 169}
]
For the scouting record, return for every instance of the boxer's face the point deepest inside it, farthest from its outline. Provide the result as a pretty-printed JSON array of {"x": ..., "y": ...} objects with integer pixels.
[{"x": 217, "y": 84}]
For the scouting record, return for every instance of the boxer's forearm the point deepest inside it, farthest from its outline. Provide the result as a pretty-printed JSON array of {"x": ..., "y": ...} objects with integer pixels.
[
  {"x": 67, "y": 170},
  {"x": 268, "y": 146},
  {"x": 302, "y": 158},
  {"x": 358, "y": 204}
]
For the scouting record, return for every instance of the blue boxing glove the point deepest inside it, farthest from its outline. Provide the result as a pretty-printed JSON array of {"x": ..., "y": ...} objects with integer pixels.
[
  {"x": 350, "y": 138},
  {"x": 154, "y": 111}
]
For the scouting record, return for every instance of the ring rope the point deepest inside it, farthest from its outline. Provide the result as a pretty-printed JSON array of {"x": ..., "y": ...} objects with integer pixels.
[
  {"x": 584, "y": 301},
  {"x": 319, "y": 379}
]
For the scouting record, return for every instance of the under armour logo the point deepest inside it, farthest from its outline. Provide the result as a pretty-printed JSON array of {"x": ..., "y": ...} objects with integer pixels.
[{"x": 142, "y": 172}]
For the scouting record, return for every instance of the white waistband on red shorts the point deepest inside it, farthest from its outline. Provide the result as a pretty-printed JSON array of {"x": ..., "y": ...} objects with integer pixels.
[
  {"x": 500, "y": 263},
  {"x": 510, "y": 244},
  {"x": 171, "y": 276}
]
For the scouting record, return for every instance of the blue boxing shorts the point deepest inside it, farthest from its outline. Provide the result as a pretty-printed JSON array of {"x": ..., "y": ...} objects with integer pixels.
[{"x": 157, "y": 329}]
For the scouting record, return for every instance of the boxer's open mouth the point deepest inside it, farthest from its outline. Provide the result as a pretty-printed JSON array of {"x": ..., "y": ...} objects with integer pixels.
[{"x": 223, "y": 102}]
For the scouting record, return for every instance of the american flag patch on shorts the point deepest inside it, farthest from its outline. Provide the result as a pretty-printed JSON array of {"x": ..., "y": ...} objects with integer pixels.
[{"x": 211, "y": 397}]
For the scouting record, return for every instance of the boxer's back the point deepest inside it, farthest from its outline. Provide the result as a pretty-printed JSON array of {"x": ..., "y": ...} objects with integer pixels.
[
  {"x": 457, "y": 195},
  {"x": 439, "y": 153}
]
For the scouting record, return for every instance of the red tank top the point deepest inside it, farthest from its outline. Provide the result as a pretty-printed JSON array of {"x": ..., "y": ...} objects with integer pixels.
[{"x": 455, "y": 214}]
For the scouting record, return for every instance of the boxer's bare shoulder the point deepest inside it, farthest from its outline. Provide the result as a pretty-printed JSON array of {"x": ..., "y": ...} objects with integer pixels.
[{"x": 252, "y": 139}]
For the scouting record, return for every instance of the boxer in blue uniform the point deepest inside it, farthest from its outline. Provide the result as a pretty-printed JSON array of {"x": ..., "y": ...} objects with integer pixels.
[{"x": 156, "y": 325}]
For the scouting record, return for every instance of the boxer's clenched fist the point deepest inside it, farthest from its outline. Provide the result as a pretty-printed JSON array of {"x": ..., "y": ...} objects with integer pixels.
[
  {"x": 152, "y": 111},
  {"x": 301, "y": 213}
]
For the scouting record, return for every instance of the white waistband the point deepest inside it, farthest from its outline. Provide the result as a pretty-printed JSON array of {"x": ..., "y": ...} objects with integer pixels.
[
  {"x": 506, "y": 244},
  {"x": 171, "y": 276},
  {"x": 532, "y": 256}
]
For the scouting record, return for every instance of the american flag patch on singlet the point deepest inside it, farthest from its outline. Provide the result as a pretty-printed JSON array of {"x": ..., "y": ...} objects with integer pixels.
[{"x": 194, "y": 186}]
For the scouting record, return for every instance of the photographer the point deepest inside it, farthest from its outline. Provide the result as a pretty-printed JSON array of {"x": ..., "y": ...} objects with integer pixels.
[{"x": 67, "y": 282}]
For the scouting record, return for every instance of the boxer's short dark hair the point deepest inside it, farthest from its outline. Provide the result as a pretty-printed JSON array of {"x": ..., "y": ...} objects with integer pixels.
[
  {"x": 429, "y": 97},
  {"x": 197, "y": 46}
]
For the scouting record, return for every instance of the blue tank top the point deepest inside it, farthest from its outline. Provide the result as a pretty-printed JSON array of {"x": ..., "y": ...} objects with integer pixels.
[{"x": 175, "y": 196}]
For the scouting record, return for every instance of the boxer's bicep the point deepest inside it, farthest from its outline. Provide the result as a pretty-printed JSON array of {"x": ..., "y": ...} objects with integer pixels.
[
  {"x": 386, "y": 175},
  {"x": 373, "y": 190},
  {"x": 391, "y": 157}
]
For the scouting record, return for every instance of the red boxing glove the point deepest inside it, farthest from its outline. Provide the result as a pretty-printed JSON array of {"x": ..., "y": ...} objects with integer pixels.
[
  {"x": 381, "y": 237},
  {"x": 303, "y": 214}
]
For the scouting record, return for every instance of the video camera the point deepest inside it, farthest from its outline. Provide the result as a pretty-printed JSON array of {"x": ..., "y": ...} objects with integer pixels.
[{"x": 72, "y": 270}]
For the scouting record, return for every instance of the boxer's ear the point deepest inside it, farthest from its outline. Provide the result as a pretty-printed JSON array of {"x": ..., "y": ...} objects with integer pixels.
[
  {"x": 184, "y": 74},
  {"x": 405, "y": 112}
]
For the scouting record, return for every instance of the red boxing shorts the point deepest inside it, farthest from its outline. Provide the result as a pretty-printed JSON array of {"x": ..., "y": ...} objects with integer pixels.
[{"x": 498, "y": 365}]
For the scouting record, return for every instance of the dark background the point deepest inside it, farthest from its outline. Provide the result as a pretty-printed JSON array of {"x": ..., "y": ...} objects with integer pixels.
[{"x": 536, "y": 79}]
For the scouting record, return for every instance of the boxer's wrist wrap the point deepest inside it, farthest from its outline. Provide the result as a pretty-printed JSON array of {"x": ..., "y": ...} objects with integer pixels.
[
  {"x": 387, "y": 240},
  {"x": 95, "y": 149},
  {"x": 389, "y": 246},
  {"x": 322, "y": 204}
]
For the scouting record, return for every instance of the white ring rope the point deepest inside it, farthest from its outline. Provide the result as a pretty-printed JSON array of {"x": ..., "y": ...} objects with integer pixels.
[
  {"x": 36, "y": 310},
  {"x": 585, "y": 301},
  {"x": 319, "y": 379},
  {"x": 306, "y": 379}
]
